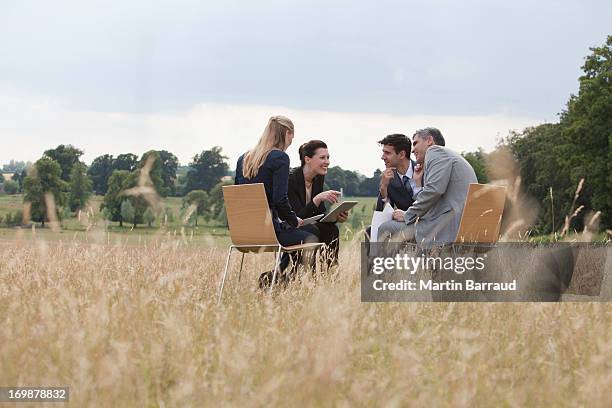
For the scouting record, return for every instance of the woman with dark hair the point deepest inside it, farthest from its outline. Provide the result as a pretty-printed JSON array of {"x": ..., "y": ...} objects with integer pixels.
[
  {"x": 307, "y": 197},
  {"x": 268, "y": 163}
]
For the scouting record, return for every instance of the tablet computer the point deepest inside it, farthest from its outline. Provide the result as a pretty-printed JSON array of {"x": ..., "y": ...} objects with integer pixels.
[
  {"x": 312, "y": 220},
  {"x": 332, "y": 215}
]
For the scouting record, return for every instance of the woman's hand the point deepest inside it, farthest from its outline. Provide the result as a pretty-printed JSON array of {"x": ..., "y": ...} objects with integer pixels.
[
  {"x": 342, "y": 217},
  {"x": 330, "y": 196},
  {"x": 399, "y": 215},
  {"x": 300, "y": 222}
]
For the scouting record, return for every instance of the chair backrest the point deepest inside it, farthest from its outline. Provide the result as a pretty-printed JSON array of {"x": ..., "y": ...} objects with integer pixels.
[
  {"x": 482, "y": 214},
  {"x": 248, "y": 215}
]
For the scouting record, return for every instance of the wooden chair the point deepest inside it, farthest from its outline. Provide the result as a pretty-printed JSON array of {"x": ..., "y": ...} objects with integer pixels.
[
  {"x": 251, "y": 229},
  {"x": 482, "y": 214}
]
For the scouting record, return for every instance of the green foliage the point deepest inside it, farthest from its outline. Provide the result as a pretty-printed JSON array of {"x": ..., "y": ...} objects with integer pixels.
[
  {"x": 126, "y": 161},
  {"x": 199, "y": 198},
  {"x": 13, "y": 219},
  {"x": 114, "y": 197},
  {"x": 100, "y": 170},
  {"x": 352, "y": 183},
  {"x": 19, "y": 178},
  {"x": 127, "y": 212},
  {"x": 66, "y": 156},
  {"x": 65, "y": 213},
  {"x": 189, "y": 217},
  {"x": 155, "y": 171},
  {"x": 369, "y": 186},
  {"x": 149, "y": 216},
  {"x": 587, "y": 133},
  {"x": 10, "y": 187},
  {"x": 168, "y": 215},
  {"x": 216, "y": 207},
  {"x": 80, "y": 187},
  {"x": 557, "y": 156},
  {"x": 206, "y": 170},
  {"x": 169, "y": 164},
  {"x": 45, "y": 179},
  {"x": 348, "y": 180},
  {"x": 138, "y": 201},
  {"x": 477, "y": 161}
]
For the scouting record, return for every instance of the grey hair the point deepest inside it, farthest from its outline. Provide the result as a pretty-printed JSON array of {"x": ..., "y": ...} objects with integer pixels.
[{"x": 433, "y": 132}]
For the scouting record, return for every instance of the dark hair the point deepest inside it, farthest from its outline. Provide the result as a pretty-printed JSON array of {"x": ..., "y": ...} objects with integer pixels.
[
  {"x": 308, "y": 149},
  {"x": 399, "y": 142},
  {"x": 433, "y": 132}
]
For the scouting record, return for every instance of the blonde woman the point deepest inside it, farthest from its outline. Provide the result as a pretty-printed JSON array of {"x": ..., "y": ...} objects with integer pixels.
[{"x": 268, "y": 163}]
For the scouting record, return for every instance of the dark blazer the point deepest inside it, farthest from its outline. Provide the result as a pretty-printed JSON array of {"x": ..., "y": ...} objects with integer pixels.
[
  {"x": 274, "y": 174},
  {"x": 297, "y": 194},
  {"x": 399, "y": 196}
]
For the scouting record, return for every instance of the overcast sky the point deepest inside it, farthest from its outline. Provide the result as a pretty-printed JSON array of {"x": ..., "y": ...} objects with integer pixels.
[{"x": 129, "y": 76}]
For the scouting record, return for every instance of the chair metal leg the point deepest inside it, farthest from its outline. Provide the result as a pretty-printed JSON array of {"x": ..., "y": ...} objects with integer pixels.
[
  {"x": 276, "y": 268},
  {"x": 241, "y": 263},
  {"x": 229, "y": 254}
]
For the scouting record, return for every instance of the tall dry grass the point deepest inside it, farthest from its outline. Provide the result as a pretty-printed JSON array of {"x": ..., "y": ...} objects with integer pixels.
[{"x": 139, "y": 326}]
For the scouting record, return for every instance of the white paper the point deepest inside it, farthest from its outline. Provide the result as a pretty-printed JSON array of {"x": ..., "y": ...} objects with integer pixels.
[{"x": 378, "y": 218}]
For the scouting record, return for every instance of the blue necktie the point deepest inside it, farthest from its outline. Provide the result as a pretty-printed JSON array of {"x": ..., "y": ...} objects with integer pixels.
[{"x": 406, "y": 181}]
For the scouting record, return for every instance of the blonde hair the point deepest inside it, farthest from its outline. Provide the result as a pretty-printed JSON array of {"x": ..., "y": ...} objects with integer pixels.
[{"x": 273, "y": 138}]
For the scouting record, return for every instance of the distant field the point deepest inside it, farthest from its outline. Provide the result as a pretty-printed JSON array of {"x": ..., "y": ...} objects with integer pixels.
[{"x": 206, "y": 232}]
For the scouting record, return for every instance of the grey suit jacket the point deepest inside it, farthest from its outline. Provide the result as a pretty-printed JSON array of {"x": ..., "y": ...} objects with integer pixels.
[{"x": 438, "y": 207}]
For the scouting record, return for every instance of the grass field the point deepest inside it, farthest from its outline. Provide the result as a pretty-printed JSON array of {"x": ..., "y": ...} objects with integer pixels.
[
  {"x": 74, "y": 229},
  {"x": 138, "y": 325}
]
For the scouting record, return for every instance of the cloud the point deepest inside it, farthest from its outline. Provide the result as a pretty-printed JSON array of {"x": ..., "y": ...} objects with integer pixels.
[{"x": 30, "y": 124}]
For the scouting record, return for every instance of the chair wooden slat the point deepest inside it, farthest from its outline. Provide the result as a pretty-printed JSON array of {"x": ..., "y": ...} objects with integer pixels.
[
  {"x": 482, "y": 214},
  {"x": 248, "y": 215}
]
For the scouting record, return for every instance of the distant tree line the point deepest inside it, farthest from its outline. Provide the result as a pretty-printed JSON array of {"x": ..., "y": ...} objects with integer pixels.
[
  {"x": 552, "y": 158},
  {"x": 62, "y": 180}
]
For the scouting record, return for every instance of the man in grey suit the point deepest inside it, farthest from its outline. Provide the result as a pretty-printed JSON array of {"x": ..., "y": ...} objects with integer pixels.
[{"x": 435, "y": 215}]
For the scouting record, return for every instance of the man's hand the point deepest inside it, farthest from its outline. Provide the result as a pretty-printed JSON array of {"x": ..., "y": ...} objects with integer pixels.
[
  {"x": 399, "y": 215},
  {"x": 300, "y": 222},
  {"x": 385, "y": 179},
  {"x": 417, "y": 175},
  {"x": 342, "y": 217},
  {"x": 331, "y": 196}
]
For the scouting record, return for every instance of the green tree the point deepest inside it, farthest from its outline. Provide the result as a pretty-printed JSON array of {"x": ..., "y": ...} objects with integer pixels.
[
  {"x": 478, "y": 163},
  {"x": 216, "y": 206},
  {"x": 10, "y": 187},
  {"x": 155, "y": 171},
  {"x": 125, "y": 161},
  {"x": 369, "y": 186},
  {"x": 169, "y": 165},
  {"x": 337, "y": 178},
  {"x": 138, "y": 200},
  {"x": 168, "y": 215},
  {"x": 199, "y": 198},
  {"x": 206, "y": 170},
  {"x": 100, "y": 170},
  {"x": 538, "y": 154},
  {"x": 66, "y": 156},
  {"x": 20, "y": 176},
  {"x": 127, "y": 212},
  {"x": 587, "y": 133},
  {"x": 114, "y": 195},
  {"x": 45, "y": 179},
  {"x": 149, "y": 216},
  {"x": 80, "y": 187}
]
